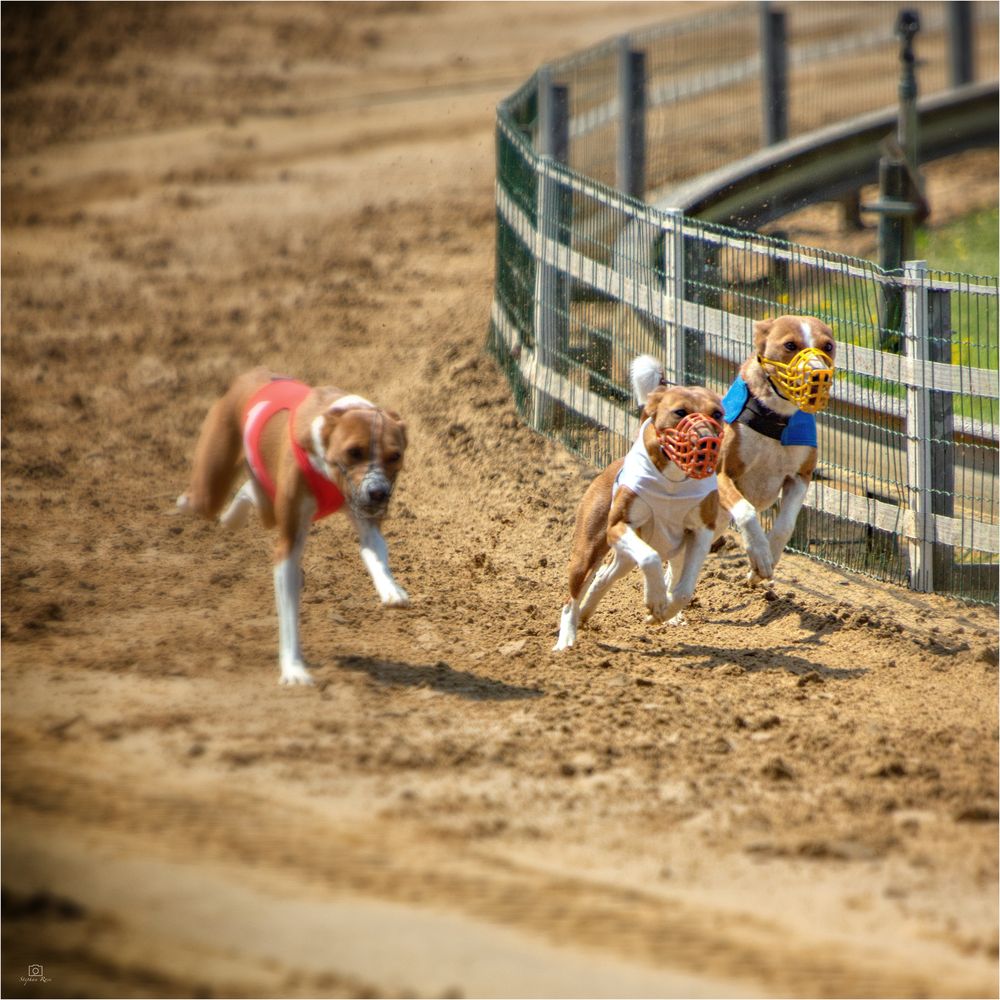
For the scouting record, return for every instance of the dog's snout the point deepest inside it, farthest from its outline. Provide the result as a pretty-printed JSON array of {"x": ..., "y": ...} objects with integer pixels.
[
  {"x": 378, "y": 493},
  {"x": 374, "y": 491}
]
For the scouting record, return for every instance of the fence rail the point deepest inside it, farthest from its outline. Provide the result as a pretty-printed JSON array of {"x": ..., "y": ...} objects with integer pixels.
[{"x": 588, "y": 276}]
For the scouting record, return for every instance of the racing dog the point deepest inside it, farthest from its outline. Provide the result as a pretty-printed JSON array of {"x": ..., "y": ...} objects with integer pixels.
[
  {"x": 657, "y": 505},
  {"x": 307, "y": 451},
  {"x": 770, "y": 449}
]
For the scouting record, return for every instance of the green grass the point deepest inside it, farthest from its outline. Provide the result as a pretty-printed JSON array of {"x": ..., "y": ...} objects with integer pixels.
[
  {"x": 969, "y": 245},
  {"x": 959, "y": 252}
]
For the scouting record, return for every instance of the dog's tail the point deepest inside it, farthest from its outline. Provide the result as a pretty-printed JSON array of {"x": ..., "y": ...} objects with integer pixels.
[{"x": 647, "y": 374}]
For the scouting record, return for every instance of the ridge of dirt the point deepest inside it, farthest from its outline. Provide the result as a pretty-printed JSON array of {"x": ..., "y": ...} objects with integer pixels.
[{"x": 794, "y": 793}]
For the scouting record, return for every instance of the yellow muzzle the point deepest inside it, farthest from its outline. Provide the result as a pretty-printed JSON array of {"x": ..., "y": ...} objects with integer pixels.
[{"x": 802, "y": 381}]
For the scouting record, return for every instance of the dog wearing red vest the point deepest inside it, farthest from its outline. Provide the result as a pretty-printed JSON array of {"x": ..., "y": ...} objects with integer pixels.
[{"x": 308, "y": 453}]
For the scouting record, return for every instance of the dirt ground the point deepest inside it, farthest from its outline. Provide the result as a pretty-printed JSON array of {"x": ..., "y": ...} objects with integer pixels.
[{"x": 794, "y": 794}]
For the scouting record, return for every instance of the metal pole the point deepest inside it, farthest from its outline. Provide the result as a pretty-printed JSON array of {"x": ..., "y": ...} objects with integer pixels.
[
  {"x": 773, "y": 74},
  {"x": 630, "y": 165},
  {"x": 907, "y": 26},
  {"x": 942, "y": 432},
  {"x": 551, "y": 312},
  {"x": 961, "y": 58}
]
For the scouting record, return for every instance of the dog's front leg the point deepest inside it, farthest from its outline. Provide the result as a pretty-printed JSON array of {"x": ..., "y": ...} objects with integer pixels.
[
  {"x": 755, "y": 542},
  {"x": 686, "y": 568},
  {"x": 375, "y": 556},
  {"x": 287, "y": 591},
  {"x": 793, "y": 493},
  {"x": 627, "y": 543}
]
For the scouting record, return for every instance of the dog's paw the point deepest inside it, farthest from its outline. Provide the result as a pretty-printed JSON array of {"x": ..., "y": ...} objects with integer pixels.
[
  {"x": 397, "y": 598},
  {"x": 761, "y": 565},
  {"x": 295, "y": 673},
  {"x": 659, "y": 612},
  {"x": 678, "y": 619}
]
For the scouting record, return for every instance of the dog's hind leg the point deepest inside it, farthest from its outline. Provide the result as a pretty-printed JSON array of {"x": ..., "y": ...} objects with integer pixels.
[
  {"x": 569, "y": 619},
  {"x": 216, "y": 461},
  {"x": 236, "y": 514}
]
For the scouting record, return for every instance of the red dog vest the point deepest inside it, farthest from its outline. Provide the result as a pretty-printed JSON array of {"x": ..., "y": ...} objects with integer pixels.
[{"x": 279, "y": 395}]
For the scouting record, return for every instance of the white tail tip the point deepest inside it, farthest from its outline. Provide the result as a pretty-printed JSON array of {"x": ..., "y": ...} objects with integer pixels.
[{"x": 647, "y": 374}]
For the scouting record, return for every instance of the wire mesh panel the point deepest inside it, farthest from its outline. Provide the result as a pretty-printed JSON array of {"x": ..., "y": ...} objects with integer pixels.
[{"x": 587, "y": 278}]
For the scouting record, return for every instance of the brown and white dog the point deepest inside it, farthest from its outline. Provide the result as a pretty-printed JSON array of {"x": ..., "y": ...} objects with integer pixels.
[
  {"x": 307, "y": 451},
  {"x": 769, "y": 450},
  {"x": 658, "y": 505}
]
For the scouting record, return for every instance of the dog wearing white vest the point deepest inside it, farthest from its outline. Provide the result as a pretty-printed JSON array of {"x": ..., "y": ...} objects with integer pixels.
[{"x": 655, "y": 508}]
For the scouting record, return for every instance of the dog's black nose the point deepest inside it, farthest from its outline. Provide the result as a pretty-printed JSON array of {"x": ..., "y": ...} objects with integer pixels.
[{"x": 378, "y": 494}]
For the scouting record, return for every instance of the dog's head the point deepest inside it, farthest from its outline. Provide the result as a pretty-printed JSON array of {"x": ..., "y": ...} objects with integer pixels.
[
  {"x": 687, "y": 421},
  {"x": 365, "y": 444},
  {"x": 794, "y": 358}
]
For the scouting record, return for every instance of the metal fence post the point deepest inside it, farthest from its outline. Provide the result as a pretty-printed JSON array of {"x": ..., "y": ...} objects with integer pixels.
[
  {"x": 630, "y": 162},
  {"x": 701, "y": 286},
  {"x": 551, "y": 312},
  {"x": 961, "y": 62},
  {"x": 919, "y": 459},
  {"x": 675, "y": 347},
  {"x": 942, "y": 431},
  {"x": 773, "y": 74}
]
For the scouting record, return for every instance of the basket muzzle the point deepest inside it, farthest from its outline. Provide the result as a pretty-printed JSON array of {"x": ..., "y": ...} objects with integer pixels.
[
  {"x": 806, "y": 380},
  {"x": 693, "y": 445}
]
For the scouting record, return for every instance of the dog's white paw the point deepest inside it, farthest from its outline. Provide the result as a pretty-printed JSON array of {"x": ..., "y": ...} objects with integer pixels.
[
  {"x": 761, "y": 565},
  {"x": 678, "y": 619},
  {"x": 295, "y": 673},
  {"x": 395, "y": 598},
  {"x": 659, "y": 612}
]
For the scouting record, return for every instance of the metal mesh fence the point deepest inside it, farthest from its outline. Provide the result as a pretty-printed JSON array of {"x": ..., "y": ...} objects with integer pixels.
[
  {"x": 703, "y": 80},
  {"x": 587, "y": 278}
]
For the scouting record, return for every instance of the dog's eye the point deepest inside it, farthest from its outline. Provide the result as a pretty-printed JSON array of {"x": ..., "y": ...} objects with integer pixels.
[
  {"x": 828, "y": 348},
  {"x": 681, "y": 412},
  {"x": 790, "y": 345},
  {"x": 716, "y": 414},
  {"x": 355, "y": 454},
  {"x": 392, "y": 458}
]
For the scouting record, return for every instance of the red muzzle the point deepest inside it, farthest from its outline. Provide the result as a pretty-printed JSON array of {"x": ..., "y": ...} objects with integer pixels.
[{"x": 693, "y": 445}]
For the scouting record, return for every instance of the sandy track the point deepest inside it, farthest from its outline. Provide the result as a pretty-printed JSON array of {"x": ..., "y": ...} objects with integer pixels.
[{"x": 794, "y": 794}]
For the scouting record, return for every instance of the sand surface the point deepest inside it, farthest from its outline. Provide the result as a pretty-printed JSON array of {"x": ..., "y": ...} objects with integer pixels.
[{"x": 794, "y": 794}]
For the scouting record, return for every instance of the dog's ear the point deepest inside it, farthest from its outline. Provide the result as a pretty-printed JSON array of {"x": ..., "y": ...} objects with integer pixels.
[
  {"x": 344, "y": 403},
  {"x": 652, "y": 402},
  {"x": 760, "y": 331},
  {"x": 401, "y": 424}
]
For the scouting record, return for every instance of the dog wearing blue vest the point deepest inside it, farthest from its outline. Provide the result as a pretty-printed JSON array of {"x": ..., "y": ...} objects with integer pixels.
[
  {"x": 307, "y": 453},
  {"x": 769, "y": 449}
]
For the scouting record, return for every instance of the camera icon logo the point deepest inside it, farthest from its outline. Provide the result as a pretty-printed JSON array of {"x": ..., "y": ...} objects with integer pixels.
[{"x": 36, "y": 970}]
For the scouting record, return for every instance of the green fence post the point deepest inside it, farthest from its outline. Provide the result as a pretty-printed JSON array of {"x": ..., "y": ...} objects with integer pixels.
[
  {"x": 630, "y": 161},
  {"x": 551, "y": 311},
  {"x": 942, "y": 431}
]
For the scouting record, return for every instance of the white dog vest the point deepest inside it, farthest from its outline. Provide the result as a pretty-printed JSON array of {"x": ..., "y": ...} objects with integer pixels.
[{"x": 662, "y": 502}]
